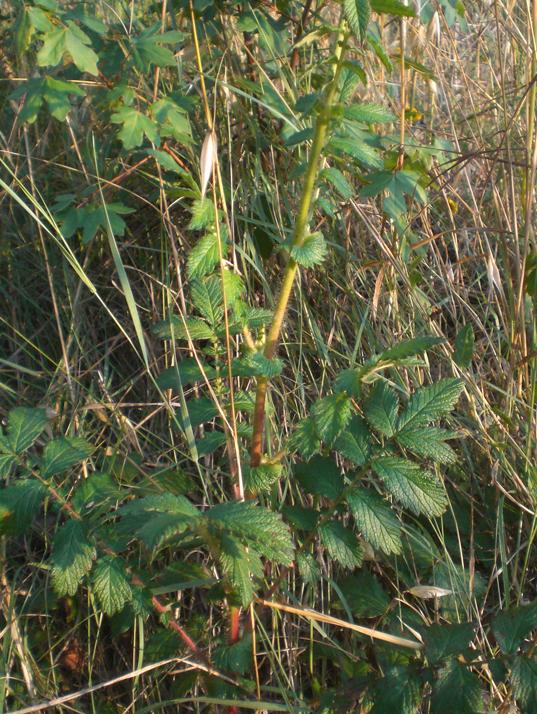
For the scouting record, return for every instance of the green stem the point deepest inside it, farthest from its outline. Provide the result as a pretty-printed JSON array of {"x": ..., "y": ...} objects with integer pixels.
[{"x": 299, "y": 235}]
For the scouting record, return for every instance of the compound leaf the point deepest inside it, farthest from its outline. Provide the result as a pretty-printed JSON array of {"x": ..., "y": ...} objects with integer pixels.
[{"x": 72, "y": 557}]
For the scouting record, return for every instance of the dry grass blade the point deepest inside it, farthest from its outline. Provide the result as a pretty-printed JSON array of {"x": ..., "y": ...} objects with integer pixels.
[{"x": 330, "y": 620}]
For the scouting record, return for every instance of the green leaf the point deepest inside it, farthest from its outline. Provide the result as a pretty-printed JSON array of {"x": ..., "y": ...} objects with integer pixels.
[
  {"x": 190, "y": 327},
  {"x": 443, "y": 641},
  {"x": 357, "y": 13},
  {"x": 305, "y": 439},
  {"x": 110, "y": 584},
  {"x": 207, "y": 298},
  {"x": 203, "y": 257},
  {"x": 311, "y": 252},
  {"x": 380, "y": 408},
  {"x": 7, "y": 461},
  {"x": 237, "y": 564},
  {"x": 202, "y": 214},
  {"x": 51, "y": 53},
  {"x": 415, "y": 489},
  {"x": 354, "y": 443},
  {"x": 375, "y": 519},
  {"x": 77, "y": 44},
  {"x": 56, "y": 92},
  {"x": 259, "y": 479},
  {"x": 341, "y": 544},
  {"x": 308, "y": 568},
  {"x": 156, "y": 519},
  {"x": 264, "y": 529},
  {"x": 298, "y": 137},
  {"x": 409, "y": 348},
  {"x": 524, "y": 681},
  {"x": 456, "y": 690},
  {"x": 428, "y": 442},
  {"x": 359, "y": 150},
  {"x": 147, "y": 51},
  {"x": 398, "y": 691},
  {"x": 24, "y": 425},
  {"x": 19, "y": 505},
  {"x": 392, "y": 7},
  {"x": 135, "y": 126},
  {"x": 464, "y": 346},
  {"x": 173, "y": 121},
  {"x": 513, "y": 626},
  {"x": 332, "y": 415},
  {"x": 235, "y": 657},
  {"x": 364, "y": 595},
  {"x": 304, "y": 519},
  {"x": 72, "y": 557},
  {"x": 60, "y": 454},
  {"x": 187, "y": 371},
  {"x": 320, "y": 476},
  {"x": 368, "y": 113},
  {"x": 338, "y": 181},
  {"x": 429, "y": 403},
  {"x": 256, "y": 364}
]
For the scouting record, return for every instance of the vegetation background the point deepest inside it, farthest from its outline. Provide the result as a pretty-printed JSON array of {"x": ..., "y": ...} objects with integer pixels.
[{"x": 166, "y": 544}]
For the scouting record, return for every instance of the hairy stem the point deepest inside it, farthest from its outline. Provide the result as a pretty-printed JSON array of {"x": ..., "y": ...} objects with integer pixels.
[{"x": 299, "y": 235}]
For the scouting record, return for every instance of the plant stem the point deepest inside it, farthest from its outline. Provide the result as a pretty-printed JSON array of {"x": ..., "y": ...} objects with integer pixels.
[{"x": 299, "y": 235}]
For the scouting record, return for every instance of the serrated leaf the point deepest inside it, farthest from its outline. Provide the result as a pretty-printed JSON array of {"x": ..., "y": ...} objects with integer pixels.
[
  {"x": 72, "y": 557},
  {"x": 415, "y": 489},
  {"x": 357, "y": 13},
  {"x": 308, "y": 567},
  {"x": 380, "y": 408},
  {"x": 110, "y": 584},
  {"x": 237, "y": 565},
  {"x": 257, "y": 365},
  {"x": 428, "y": 442},
  {"x": 464, "y": 346},
  {"x": 135, "y": 126},
  {"x": 368, "y": 113},
  {"x": 430, "y": 403},
  {"x": 359, "y": 150},
  {"x": 207, "y": 298},
  {"x": 202, "y": 214},
  {"x": 338, "y": 181},
  {"x": 341, "y": 544},
  {"x": 409, "y": 348},
  {"x": 312, "y": 251},
  {"x": 331, "y": 415},
  {"x": 512, "y": 626},
  {"x": 442, "y": 641},
  {"x": 190, "y": 328},
  {"x": 305, "y": 439},
  {"x": 398, "y": 691},
  {"x": 456, "y": 690},
  {"x": 259, "y": 479},
  {"x": 19, "y": 505},
  {"x": 524, "y": 682},
  {"x": 60, "y": 454},
  {"x": 320, "y": 476},
  {"x": 354, "y": 443},
  {"x": 264, "y": 529},
  {"x": 375, "y": 519},
  {"x": 203, "y": 257},
  {"x": 24, "y": 425}
]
